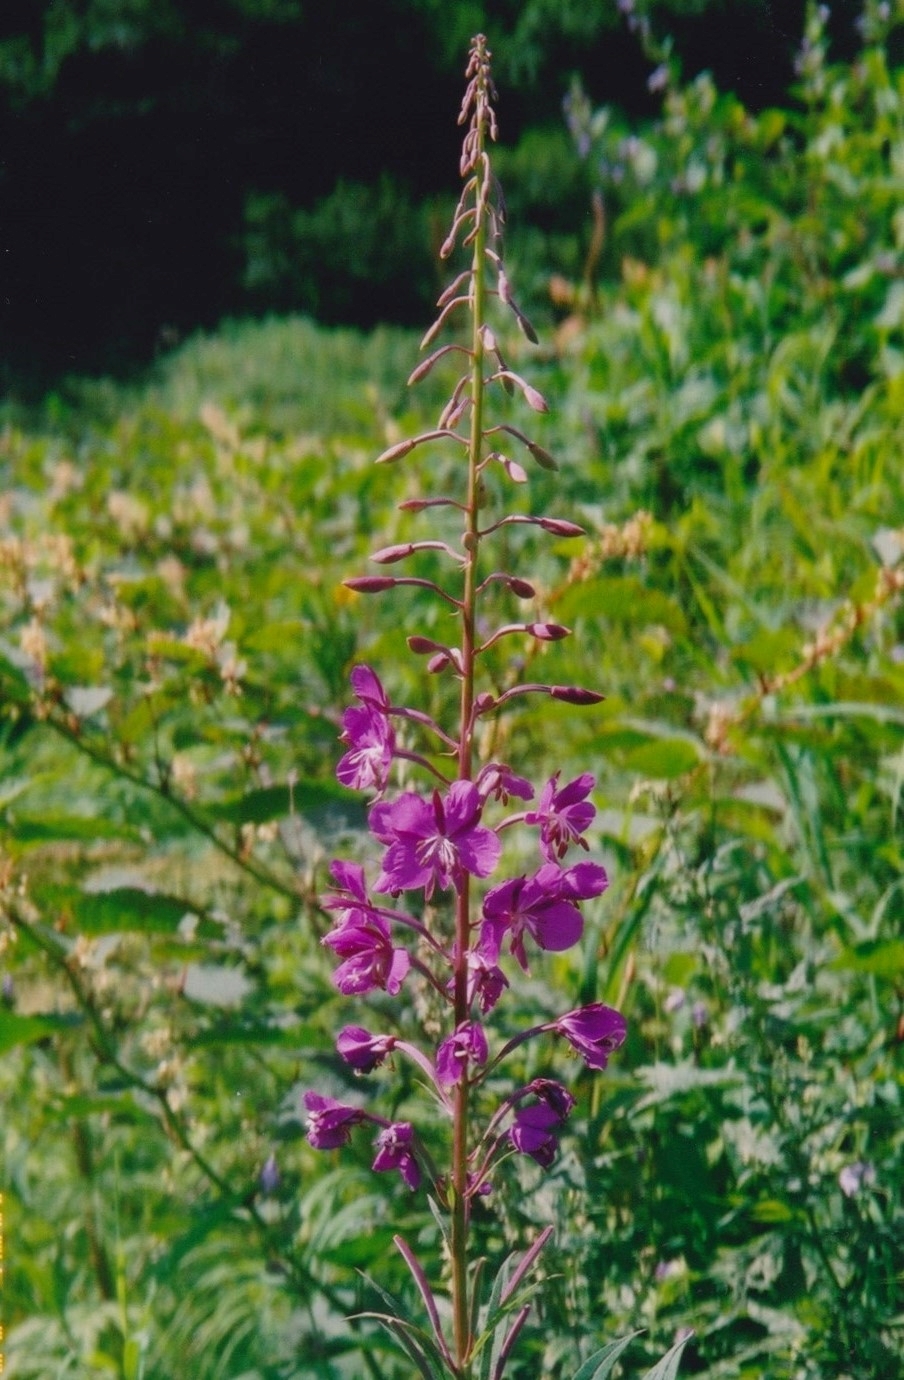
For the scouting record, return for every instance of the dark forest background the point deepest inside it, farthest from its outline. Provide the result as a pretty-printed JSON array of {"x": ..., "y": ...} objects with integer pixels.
[{"x": 166, "y": 163}]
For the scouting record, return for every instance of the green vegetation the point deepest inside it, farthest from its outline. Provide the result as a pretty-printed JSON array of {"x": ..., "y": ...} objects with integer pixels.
[{"x": 727, "y": 409}]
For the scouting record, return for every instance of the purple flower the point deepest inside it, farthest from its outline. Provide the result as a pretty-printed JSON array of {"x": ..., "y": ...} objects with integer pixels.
[
  {"x": 658, "y": 79},
  {"x": 595, "y": 1031},
  {"x": 432, "y": 842},
  {"x": 467, "y": 1043},
  {"x": 394, "y": 1151},
  {"x": 563, "y": 815},
  {"x": 371, "y": 742},
  {"x": 362, "y": 938},
  {"x": 369, "y": 959},
  {"x": 554, "y": 1095},
  {"x": 533, "y": 1132},
  {"x": 369, "y": 733},
  {"x": 500, "y": 781},
  {"x": 329, "y": 1122},
  {"x": 855, "y": 1176},
  {"x": 363, "y": 1051},
  {"x": 543, "y": 904},
  {"x": 269, "y": 1175}
]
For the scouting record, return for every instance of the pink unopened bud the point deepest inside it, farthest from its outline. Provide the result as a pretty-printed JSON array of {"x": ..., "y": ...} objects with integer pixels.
[
  {"x": 370, "y": 584},
  {"x": 522, "y": 588},
  {"x": 559, "y": 527},
  {"x": 573, "y": 694}
]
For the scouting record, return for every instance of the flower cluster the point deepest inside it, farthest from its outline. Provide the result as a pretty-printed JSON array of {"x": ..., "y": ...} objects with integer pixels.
[{"x": 434, "y": 843}]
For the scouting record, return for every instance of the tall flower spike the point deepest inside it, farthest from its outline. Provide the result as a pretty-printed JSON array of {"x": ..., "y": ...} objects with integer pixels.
[{"x": 442, "y": 841}]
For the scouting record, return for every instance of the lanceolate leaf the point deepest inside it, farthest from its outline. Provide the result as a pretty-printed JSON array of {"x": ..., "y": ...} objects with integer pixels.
[
  {"x": 417, "y": 1343},
  {"x": 24, "y": 1030},
  {"x": 313, "y": 799},
  {"x": 600, "y": 1364},
  {"x": 413, "y": 1342},
  {"x": 667, "y": 1368}
]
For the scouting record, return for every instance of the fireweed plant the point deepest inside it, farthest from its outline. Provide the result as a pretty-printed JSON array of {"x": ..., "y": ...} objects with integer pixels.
[{"x": 421, "y": 917}]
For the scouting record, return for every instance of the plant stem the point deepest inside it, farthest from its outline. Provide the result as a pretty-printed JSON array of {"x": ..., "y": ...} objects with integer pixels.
[{"x": 460, "y": 1206}]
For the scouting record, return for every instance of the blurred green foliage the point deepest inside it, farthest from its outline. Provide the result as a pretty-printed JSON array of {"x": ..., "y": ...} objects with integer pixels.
[{"x": 727, "y": 394}]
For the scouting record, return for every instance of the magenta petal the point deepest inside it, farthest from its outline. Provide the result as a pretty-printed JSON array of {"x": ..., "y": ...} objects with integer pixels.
[
  {"x": 576, "y": 790},
  {"x": 401, "y": 870},
  {"x": 350, "y": 877},
  {"x": 557, "y": 927},
  {"x": 533, "y": 1133},
  {"x": 401, "y": 962},
  {"x": 594, "y": 1031},
  {"x": 363, "y": 1051},
  {"x": 462, "y": 806},
  {"x": 584, "y": 880},
  {"x": 367, "y": 686},
  {"x": 394, "y": 1151},
  {"x": 329, "y": 1122},
  {"x": 479, "y": 851}
]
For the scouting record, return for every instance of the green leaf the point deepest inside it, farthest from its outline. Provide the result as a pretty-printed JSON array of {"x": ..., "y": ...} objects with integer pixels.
[
  {"x": 881, "y": 957},
  {"x": 314, "y": 799},
  {"x": 417, "y": 1343},
  {"x": 24, "y": 1030},
  {"x": 662, "y": 760},
  {"x": 495, "y": 1323},
  {"x": 126, "y": 909},
  {"x": 772, "y": 1210},
  {"x": 667, "y": 1368},
  {"x": 47, "y": 826},
  {"x": 404, "y": 1334},
  {"x": 600, "y": 1364},
  {"x": 132, "y": 1360}
]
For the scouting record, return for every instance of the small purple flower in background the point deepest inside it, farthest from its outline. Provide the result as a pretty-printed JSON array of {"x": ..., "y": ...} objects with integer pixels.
[
  {"x": 658, "y": 79},
  {"x": 534, "y": 1129},
  {"x": 855, "y": 1176},
  {"x": 269, "y": 1175},
  {"x": 563, "y": 815},
  {"x": 364, "y": 1051},
  {"x": 394, "y": 1151},
  {"x": 675, "y": 1000},
  {"x": 467, "y": 1044},
  {"x": 543, "y": 905},
  {"x": 329, "y": 1122},
  {"x": 433, "y": 842},
  {"x": 594, "y": 1031}
]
